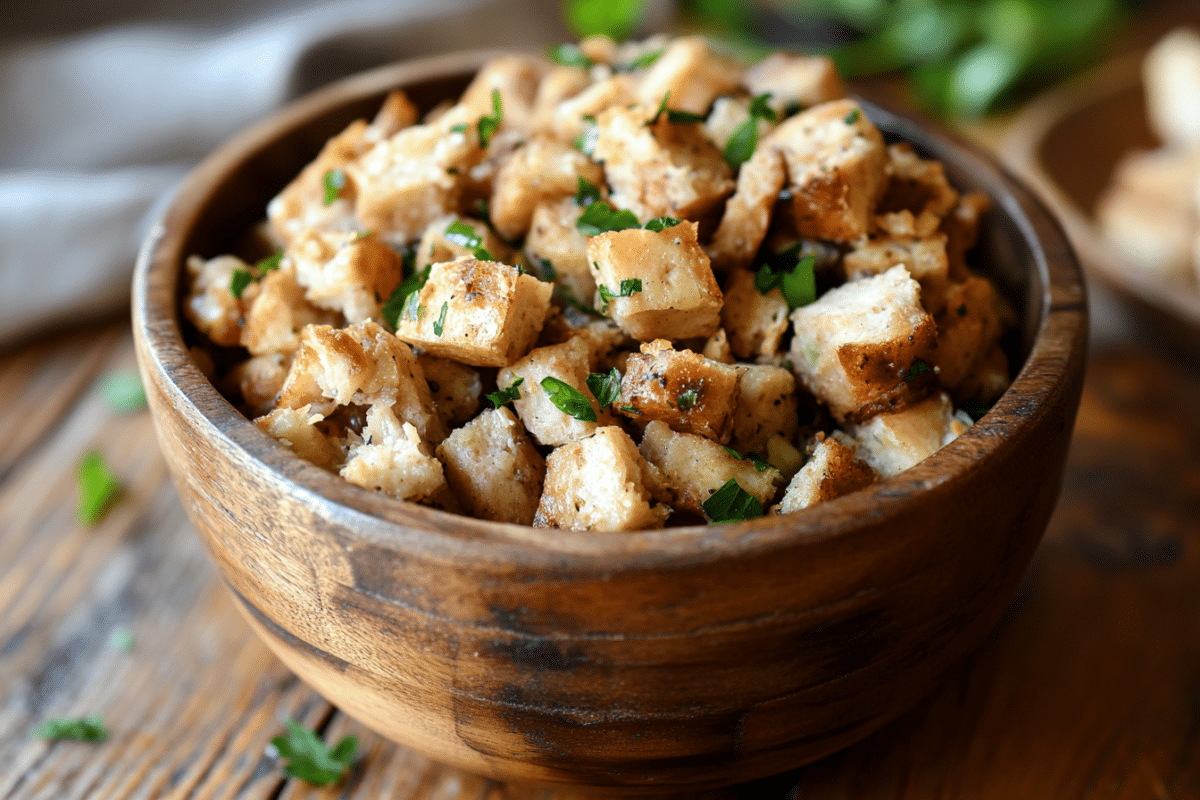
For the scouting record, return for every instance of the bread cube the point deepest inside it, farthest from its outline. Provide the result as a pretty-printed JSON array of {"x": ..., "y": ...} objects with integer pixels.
[
  {"x": 916, "y": 184},
  {"x": 543, "y": 170},
  {"x": 969, "y": 326},
  {"x": 756, "y": 322},
  {"x": 925, "y": 259},
  {"x": 346, "y": 272},
  {"x": 436, "y": 248},
  {"x": 259, "y": 379},
  {"x": 493, "y": 468},
  {"x": 795, "y": 81},
  {"x": 615, "y": 91},
  {"x": 391, "y": 459},
  {"x": 766, "y": 407},
  {"x": 837, "y": 169},
  {"x": 570, "y": 363},
  {"x": 516, "y": 77},
  {"x": 454, "y": 387},
  {"x": 988, "y": 379},
  {"x": 853, "y": 347},
  {"x": 891, "y": 443},
  {"x": 684, "y": 389},
  {"x": 679, "y": 298},
  {"x": 832, "y": 471},
  {"x": 660, "y": 170},
  {"x": 748, "y": 213},
  {"x": 301, "y": 205},
  {"x": 961, "y": 227},
  {"x": 296, "y": 429},
  {"x": 553, "y": 237},
  {"x": 1171, "y": 73},
  {"x": 717, "y": 348},
  {"x": 692, "y": 75},
  {"x": 558, "y": 85},
  {"x": 210, "y": 305},
  {"x": 598, "y": 484},
  {"x": 277, "y": 313},
  {"x": 727, "y": 115},
  {"x": 395, "y": 114},
  {"x": 478, "y": 312},
  {"x": 694, "y": 467},
  {"x": 602, "y": 336}
]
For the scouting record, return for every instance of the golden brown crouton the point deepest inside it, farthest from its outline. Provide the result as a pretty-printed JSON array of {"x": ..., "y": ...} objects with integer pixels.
[
  {"x": 598, "y": 484},
  {"x": 969, "y": 326},
  {"x": 795, "y": 81},
  {"x": 391, "y": 459},
  {"x": 717, "y": 348},
  {"x": 766, "y": 407},
  {"x": 691, "y": 74},
  {"x": 684, "y": 389},
  {"x": 346, "y": 272},
  {"x": 756, "y": 322},
  {"x": 568, "y": 362},
  {"x": 832, "y": 471},
  {"x": 961, "y": 227},
  {"x": 559, "y": 85},
  {"x": 569, "y": 118},
  {"x": 478, "y": 312},
  {"x": 916, "y": 184},
  {"x": 727, "y": 116},
  {"x": 296, "y": 429},
  {"x": 302, "y": 206},
  {"x": 516, "y": 77},
  {"x": 543, "y": 170},
  {"x": 210, "y": 305},
  {"x": 925, "y": 259},
  {"x": 553, "y": 237},
  {"x": 748, "y": 213},
  {"x": 455, "y": 388},
  {"x": 891, "y": 443},
  {"x": 678, "y": 298},
  {"x": 493, "y": 467},
  {"x": 440, "y": 243},
  {"x": 277, "y": 313}
]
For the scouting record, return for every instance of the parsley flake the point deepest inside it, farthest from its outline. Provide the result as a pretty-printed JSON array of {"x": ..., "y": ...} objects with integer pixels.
[
  {"x": 568, "y": 399},
  {"x": 731, "y": 503},
  {"x": 753, "y": 458},
  {"x": 569, "y": 55},
  {"x": 641, "y": 62},
  {"x": 487, "y": 125},
  {"x": 121, "y": 639},
  {"x": 502, "y": 396},
  {"x": 605, "y": 388},
  {"x": 334, "y": 181},
  {"x": 462, "y": 234},
  {"x": 83, "y": 729},
  {"x": 852, "y": 117},
  {"x": 797, "y": 283},
  {"x": 599, "y": 217},
  {"x": 240, "y": 280},
  {"x": 546, "y": 268},
  {"x": 661, "y": 224},
  {"x": 98, "y": 487},
  {"x": 918, "y": 367},
  {"x": 587, "y": 193},
  {"x": 630, "y": 409},
  {"x": 309, "y": 759},
  {"x": 586, "y": 141},
  {"x": 459, "y": 128},
  {"x": 272, "y": 261},
  {"x": 629, "y": 287},
  {"x": 397, "y": 305},
  {"x": 483, "y": 254},
  {"x": 674, "y": 117},
  {"x": 741, "y": 144},
  {"x": 440, "y": 325},
  {"x": 122, "y": 390},
  {"x": 688, "y": 399}
]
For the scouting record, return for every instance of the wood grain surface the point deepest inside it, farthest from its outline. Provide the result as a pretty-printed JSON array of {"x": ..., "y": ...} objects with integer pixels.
[{"x": 1089, "y": 689}]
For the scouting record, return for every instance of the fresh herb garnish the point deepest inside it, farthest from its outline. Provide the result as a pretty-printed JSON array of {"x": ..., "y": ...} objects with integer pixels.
[
  {"x": 918, "y": 367},
  {"x": 586, "y": 141},
  {"x": 661, "y": 224},
  {"x": 569, "y": 55},
  {"x": 121, "y": 639},
  {"x": 567, "y": 296},
  {"x": 797, "y": 284},
  {"x": 641, "y": 62},
  {"x": 483, "y": 254},
  {"x": 741, "y": 144},
  {"x": 599, "y": 217},
  {"x": 462, "y": 234},
  {"x": 629, "y": 287},
  {"x": 84, "y": 729},
  {"x": 673, "y": 116},
  {"x": 731, "y": 503},
  {"x": 687, "y": 400},
  {"x": 272, "y": 261},
  {"x": 459, "y": 128},
  {"x": 240, "y": 280},
  {"x": 615, "y": 18},
  {"x": 487, "y": 125},
  {"x": 122, "y": 390},
  {"x": 334, "y": 181},
  {"x": 753, "y": 458},
  {"x": 606, "y": 388},
  {"x": 568, "y": 399},
  {"x": 440, "y": 324},
  {"x": 587, "y": 193},
  {"x": 398, "y": 302},
  {"x": 502, "y": 396},
  {"x": 852, "y": 117},
  {"x": 308, "y": 757},
  {"x": 98, "y": 486},
  {"x": 546, "y": 270},
  {"x": 413, "y": 310},
  {"x": 630, "y": 409}
]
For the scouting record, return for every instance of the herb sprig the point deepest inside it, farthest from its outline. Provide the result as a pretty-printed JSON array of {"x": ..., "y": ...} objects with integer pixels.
[
  {"x": 731, "y": 503},
  {"x": 569, "y": 400},
  {"x": 309, "y": 759},
  {"x": 84, "y": 729}
]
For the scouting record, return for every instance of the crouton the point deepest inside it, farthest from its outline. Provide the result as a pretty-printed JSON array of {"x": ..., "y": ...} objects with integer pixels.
[
  {"x": 925, "y": 259},
  {"x": 305, "y": 204},
  {"x": 748, "y": 213},
  {"x": 678, "y": 298},
  {"x": 717, "y": 348},
  {"x": 837, "y": 169},
  {"x": 832, "y": 471},
  {"x": 1171, "y": 73},
  {"x": 665, "y": 169},
  {"x": 259, "y": 379},
  {"x": 391, "y": 459},
  {"x": 598, "y": 484},
  {"x": 756, "y": 322},
  {"x": 447, "y": 238},
  {"x": 296, "y": 429},
  {"x": 558, "y": 85},
  {"x": 210, "y": 305},
  {"x": 478, "y": 312},
  {"x": 694, "y": 467},
  {"x": 277, "y": 313},
  {"x": 454, "y": 387},
  {"x": 684, "y": 389},
  {"x": 570, "y": 116},
  {"x": 988, "y": 379},
  {"x": 346, "y": 272},
  {"x": 915, "y": 184},
  {"x": 690, "y": 75},
  {"x": 516, "y": 78},
  {"x": 969, "y": 325},
  {"x": 854, "y": 346},
  {"x": 602, "y": 336},
  {"x": 961, "y": 227},
  {"x": 567, "y": 362},
  {"x": 396, "y": 114},
  {"x": 493, "y": 468},
  {"x": 544, "y": 170},
  {"x": 554, "y": 238},
  {"x": 727, "y": 116},
  {"x": 795, "y": 82},
  {"x": 891, "y": 443},
  {"x": 766, "y": 407}
]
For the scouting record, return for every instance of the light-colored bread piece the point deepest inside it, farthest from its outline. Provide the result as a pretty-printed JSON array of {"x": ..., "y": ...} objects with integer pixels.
[
  {"x": 569, "y": 118},
  {"x": 925, "y": 259},
  {"x": 296, "y": 429},
  {"x": 454, "y": 387},
  {"x": 570, "y": 363},
  {"x": 301, "y": 205},
  {"x": 599, "y": 484},
  {"x": 1171, "y": 74},
  {"x": 543, "y": 170},
  {"x": 558, "y": 85},
  {"x": 717, "y": 348},
  {"x": 891, "y": 443},
  {"x": 602, "y": 336},
  {"x": 961, "y": 227},
  {"x": 553, "y": 237},
  {"x": 684, "y": 389},
  {"x": 837, "y": 169},
  {"x": 210, "y": 305},
  {"x": 277, "y": 313},
  {"x": 795, "y": 82},
  {"x": 766, "y": 407},
  {"x": 692, "y": 75},
  {"x": 396, "y": 114},
  {"x": 748, "y": 213},
  {"x": 516, "y": 77},
  {"x": 679, "y": 298},
  {"x": 756, "y": 322},
  {"x": 259, "y": 380},
  {"x": 392, "y": 459},
  {"x": 436, "y": 248},
  {"x": 346, "y": 272},
  {"x": 487, "y": 314},
  {"x": 916, "y": 184},
  {"x": 853, "y": 347},
  {"x": 493, "y": 468},
  {"x": 832, "y": 471}
]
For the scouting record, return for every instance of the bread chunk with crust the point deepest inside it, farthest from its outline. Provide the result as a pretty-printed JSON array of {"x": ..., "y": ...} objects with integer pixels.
[
  {"x": 690, "y": 75},
  {"x": 278, "y": 312},
  {"x": 296, "y": 429},
  {"x": 346, "y": 272},
  {"x": 925, "y": 259},
  {"x": 493, "y": 468},
  {"x": 756, "y": 322},
  {"x": 478, "y": 312},
  {"x": 683, "y": 389},
  {"x": 569, "y": 362},
  {"x": 766, "y": 407},
  {"x": 891, "y": 443},
  {"x": 210, "y": 305},
  {"x": 832, "y": 471},
  {"x": 392, "y": 459},
  {"x": 748, "y": 213},
  {"x": 543, "y": 170},
  {"x": 553, "y": 237},
  {"x": 440, "y": 243},
  {"x": 570, "y": 118},
  {"x": 795, "y": 81},
  {"x": 516, "y": 77},
  {"x": 599, "y": 484},
  {"x": 455, "y": 388}
]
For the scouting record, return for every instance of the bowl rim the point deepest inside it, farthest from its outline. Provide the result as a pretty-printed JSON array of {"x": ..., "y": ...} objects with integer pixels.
[{"x": 1060, "y": 338}]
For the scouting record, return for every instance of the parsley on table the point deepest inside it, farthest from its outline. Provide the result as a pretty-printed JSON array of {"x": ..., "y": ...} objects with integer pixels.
[
  {"x": 121, "y": 639},
  {"x": 797, "y": 284},
  {"x": 502, "y": 396},
  {"x": 334, "y": 181},
  {"x": 744, "y": 139},
  {"x": 239, "y": 281},
  {"x": 659, "y": 224},
  {"x": 606, "y": 388},
  {"x": 731, "y": 503},
  {"x": 309, "y": 759},
  {"x": 629, "y": 287},
  {"x": 615, "y": 18},
  {"x": 599, "y": 217},
  {"x": 83, "y": 729},
  {"x": 440, "y": 324},
  {"x": 98, "y": 486},
  {"x": 568, "y": 399},
  {"x": 569, "y": 55},
  {"x": 587, "y": 193},
  {"x": 918, "y": 367},
  {"x": 487, "y": 125},
  {"x": 687, "y": 400},
  {"x": 122, "y": 390},
  {"x": 398, "y": 302}
]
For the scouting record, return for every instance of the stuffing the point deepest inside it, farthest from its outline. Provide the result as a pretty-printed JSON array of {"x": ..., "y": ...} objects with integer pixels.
[
  {"x": 748, "y": 213},
  {"x": 543, "y": 170},
  {"x": 277, "y": 313},
  {"x": 346, "y": 272},
  {"x": 554, "y": 239},
  {"x": 684, "y": 389},
  {"x": 891, "y": 443},
  {"x": 296, "y": 429},
  {"x": 795, "y": 82},
  {"x": 391, "y": 459},
  {"x": 766, "y": 407},
  {"x": 493, "y": 468},
  {"x": 568, "y": 362},
  {"x": 832, "y": 471},
  {"x": 210, "y": 305},
  {"x": 756, "y": 322},
  {"x": 454, "y": 387},
  {"x": 453, "y": 236},
  {"x": 689, "y": 75}
]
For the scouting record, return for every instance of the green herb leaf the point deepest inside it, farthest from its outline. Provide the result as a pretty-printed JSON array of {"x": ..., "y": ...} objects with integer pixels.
[
  {"x": 122, "y": 390},
  {"x": 731, "y": 503},
  {"x": 568, "y": 399},
  {"x": 84, "y": 729},
  {"x": 272, "y": 261},
  {"x": 399, "y": 299},
  {"x": 488, "y": 125},
  {"x": 662, "y": 106},
  {"x": 600, "y": 217},
  {"x": 587, "y": 193},
  {"x": 641, "y": 62},
  {"x": 615, "y": 18},
  {"x": 760, "y": 108},
  {"x": 98, "y": 486},
  {"x": 586, "y": 141},
  {"x": 630, "y": 409},
  {"x": 629, "y": 287},
  {"x": 565, "y": 294},
  {"x": 462, "y": 234},
  {"x": 483, "y": 254},
  {"x": 661, "y": 224},
  {"x": 413, "y": 310},
  {"x": 308, "y": 757},
  {"x": 753, "y": 458},
  {"x": 799, "y": 285},
  {"x": 240, "y": 280},
  {"x": 459, "y": 128},
  {"x": 546, "y": 270},
  {"x": 334, "y": 181},
  {"x": 440, "y": 324},
  {"x": 918, "y": 367},
  {"x": 683, "y": 117},
  {"x": 852, "y": 117},
  {"x": 502, "y": 396},
  {"x": 121, "y": 639},
  {"x": 741, "y": 144},
  {"x": 569, "y": 55},
  {"x": 687, "y": 400},
  {"x": 605, "y": 388}
]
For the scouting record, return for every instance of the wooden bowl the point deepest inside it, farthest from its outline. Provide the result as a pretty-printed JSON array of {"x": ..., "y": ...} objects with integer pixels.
[
  {"x": 675, "y": 659},
  {"x": 1067, "y": 143}
]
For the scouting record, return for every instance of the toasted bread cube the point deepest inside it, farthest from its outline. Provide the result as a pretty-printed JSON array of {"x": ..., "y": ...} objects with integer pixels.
[
  {"x": 259, "y": 379},
  {"x": 766, "y": 407},
  {"x": 569, "y": 118},
  {"x": 748, "y": 213},
  {"x": 916, "y": 184},
  {"x": 210, "y": 305},
  {"x": 925, "y": 259},
  {"x": 570, "y": 363},
  {"x": 756, "y": 322},
  {"x": 346, "y": 272},
  {"x": 392, "y": 459},
  {"x": 296, "y": 429},
  {"x": 516, "y": 78},
  {"x": 717, "y": 348},
  {"x": 436, "y": 248},
  {"x": 301, "y": 205},
  {"x": 684, "y": 389},
  {"x": 961, "y": 227},
  {"x": 560, "y": 84},
  {"x": 455, "y": 388},
  {"x": 795, "y": 81},
  {"x": 693, "y": 467},
  {"x": 969, "y": 325},
  {"x": 478, "y": 312},
  {"x": 395, "y": 114},
  {"x": 277, "y": 313},
  {"x": 988, "y": 379},
  {"x": 834, "y": 470},
  {"x": 553, "y": 237},
  {"x": 891, "y": 443},
  {"x": 837, "y": 169},
  {"x": 598, "y": 484},
  {"x": 493, "y": 468},
  {"x": 692, "y": 75},
  {"x": 1171, "y": 73},
  {"x": 679, "y": 298},
  {"x": 659, "y": 170},
  {"x": 854, "y": 345},
  {"x": 544, "y": 170}
]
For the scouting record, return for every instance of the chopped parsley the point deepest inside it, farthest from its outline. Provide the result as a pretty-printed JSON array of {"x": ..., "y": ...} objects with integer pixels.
[
  {"x": 487, "y": 125},
  {"x": 83, "y": 729},
  {"x": 605, "y": 388},
  {"x": 586, "y": 141},
  {"x": 599, "y": 217},
  {"x": 440, "y": 324},
  {"x": 629, "y": 287},
  {"x": 797, "y": 283},
  {"x": 852, "y": 117},
  {"x": 402, "y": 297},
  {"x": 483, "y": 254},
  {"x": 309, "y": 759},
  {"x": 334, "y": 181},
  {"x": 641, "y": 62},
  {"x": 630, "y": 409},
  {"x": 615, "y": 18},
  {"x": 240, "y": 280},
  {"x": 687, "y": 400},
  {"x": 98, "y": 487},
  {"x": 753, "y": 458},
  {"x": 459, "y": 128},
  {"x": 731, "y": 503},
  {"x": 272, "y": 261},
  {"x": 569, "y": 55},
  {"x": 661, "y": 224},
  {"x": 587, "y": 193},
  {"x": 462, "y": 234},
  {"x": 674, "y": 117},
  {"x": 918, "y": 367},
  {"x": 121, "y": 639},
  {"x": 122, "y": 390},
  {"x": 546, "y": 270},
  {"x": 568, "y": 399},
  {"x": 741, "y": 144},
  {"x": 502, "y": 396},
  {"x": 413, "y": 310}
]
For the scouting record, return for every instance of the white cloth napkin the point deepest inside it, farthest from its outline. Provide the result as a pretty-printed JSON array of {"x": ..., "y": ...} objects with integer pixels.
[{"x": 98, "y": 126}]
